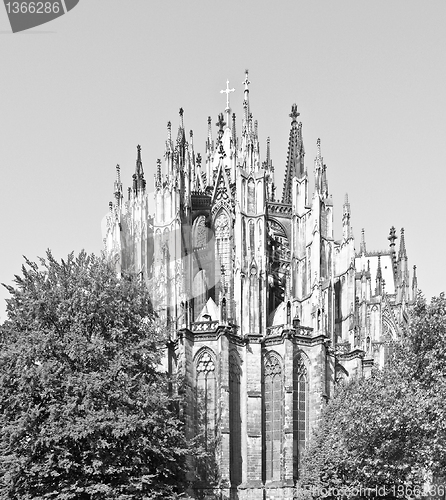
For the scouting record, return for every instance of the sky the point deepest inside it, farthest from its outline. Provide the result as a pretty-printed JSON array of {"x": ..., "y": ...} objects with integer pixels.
[{"x": 78, "y": 94}]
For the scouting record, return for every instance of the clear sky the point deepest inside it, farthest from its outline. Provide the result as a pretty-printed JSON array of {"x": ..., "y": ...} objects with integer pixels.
[{"x": 79, "y": 93}]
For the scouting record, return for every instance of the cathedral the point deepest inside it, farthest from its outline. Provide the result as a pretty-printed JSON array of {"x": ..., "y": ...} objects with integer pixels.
[{"x": 264, "y": 310}]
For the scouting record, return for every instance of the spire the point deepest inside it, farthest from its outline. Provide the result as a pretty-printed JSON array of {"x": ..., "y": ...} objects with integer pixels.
[
  {"x": 158, "y": 173},
  {"x": 379, "y": 276},
  {"x": 234, "y": 133},
  {"x": 402, "y": 251},
  {"x": 181, "y": 138},
  {"x": 414, "y": 283},
  {"x": 139, "y": 171},
  {"x": 392, "y": 237},
  {"x": 118, "y": 187},
  {"x": 169, "y": 131},
  {"x": 362, "y": 247},
  {"x": 295, "y": 159},
  {"x": 320, "y": 172},
  {"x": 220, "y": 124},
  {"x": 246, "y": 83},
  {"x": 139, "y": 183},
  {"x": 268, "y": 153},
  {"x": 209, "y": 144},
  {"x": 346, "y": 232}
]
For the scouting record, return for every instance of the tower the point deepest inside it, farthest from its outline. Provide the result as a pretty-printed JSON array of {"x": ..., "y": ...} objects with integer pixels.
[{"x": 265, "y": 310}]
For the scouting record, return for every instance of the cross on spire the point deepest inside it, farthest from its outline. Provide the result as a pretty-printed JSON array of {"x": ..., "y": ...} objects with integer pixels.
[{"x": 227, "y": 91}]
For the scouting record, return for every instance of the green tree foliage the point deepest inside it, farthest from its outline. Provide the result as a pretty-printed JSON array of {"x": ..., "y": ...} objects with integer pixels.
[
  {"x": 388, "y": 430},
  {"x": 85, "y": 410}
]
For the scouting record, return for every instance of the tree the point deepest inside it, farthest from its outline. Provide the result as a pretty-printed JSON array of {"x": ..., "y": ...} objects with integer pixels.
[
  {"x": 85, "y": 410},
  {"x": 387, "y": 431}
]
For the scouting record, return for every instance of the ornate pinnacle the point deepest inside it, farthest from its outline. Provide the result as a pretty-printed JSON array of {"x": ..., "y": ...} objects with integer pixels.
[
  {"x": 169, "y": 131},
  {"x": 221, "y": 123},
  {"x": 181, "y": 118},
  {"x": 246, "y": 81},
  {"x": 362, "y": 245},
  {"x": 294, "y": 113}
]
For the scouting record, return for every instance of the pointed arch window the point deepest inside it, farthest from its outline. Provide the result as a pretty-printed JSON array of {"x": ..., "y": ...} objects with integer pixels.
[
  {"x": 300, "y": 413},
  {"x": 273, "y": 417},
  {"x": 235, "y": 424},
  {"x": 200, "y": 233},
  {"x": 251, "y": 196},
  {"x": 199, "y": 292},
  {"x": 223, "y": 248},
  {"x": 206, "y": 392}
]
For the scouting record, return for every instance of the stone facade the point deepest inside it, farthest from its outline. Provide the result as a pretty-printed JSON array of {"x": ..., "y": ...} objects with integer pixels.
[{"x": 265, "y": 311}]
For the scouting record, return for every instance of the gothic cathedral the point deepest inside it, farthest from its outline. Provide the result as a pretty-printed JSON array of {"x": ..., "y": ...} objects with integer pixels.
[{"x": 264, "y": 309}]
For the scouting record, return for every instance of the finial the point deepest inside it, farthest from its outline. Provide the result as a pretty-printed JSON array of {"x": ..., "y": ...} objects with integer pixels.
[
  {"x": 181, "y": 118},
  {"x": 199, "y": 159},
  {"x": 221, "y": 123},
  {"x": 392, "y": 235},
  {"x": 110, "y": 206},
  {"x": 318, "y": 144},
  {"x": 256, "y": 128},
  {"x": 294, "y": 113},
  {"x": 246, "y": 81},
  {"x": 118, "y": 174},
  {"x": 169, "y": 131}
]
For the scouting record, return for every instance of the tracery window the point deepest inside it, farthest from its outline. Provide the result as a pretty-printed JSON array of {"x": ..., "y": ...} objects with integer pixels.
[
  {"x": 273, "y": 417},
  {"x": 235, "y": 421},
  {"x": 199, "y": 292},
  {"x": 223, "y": 249},
  {"x": 206, "y": 392},
  {"x": 251, "y": 196},
  {"x": 300, "y": 413},
  {"x": 200, "y": 233}
]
